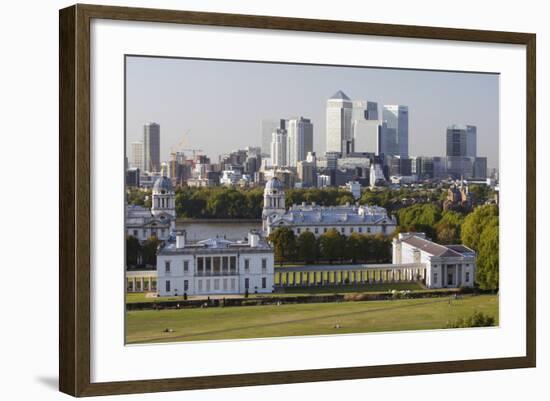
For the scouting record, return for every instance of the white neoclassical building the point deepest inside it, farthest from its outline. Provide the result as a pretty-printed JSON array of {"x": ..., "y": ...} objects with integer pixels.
[
  {"x": 345, "y": 219},
  {"x": 446, "y": 266},
  {"x": 158, "y": 221},
  {"x": 215, "y": 266}
]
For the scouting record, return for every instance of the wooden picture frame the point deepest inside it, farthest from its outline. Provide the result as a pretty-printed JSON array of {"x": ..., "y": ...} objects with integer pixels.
[{"x": 75, "y": 207}]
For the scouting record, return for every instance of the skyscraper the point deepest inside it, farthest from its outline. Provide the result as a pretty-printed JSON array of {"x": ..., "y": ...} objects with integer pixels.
[
  {"x": 279, "y": 148},
  {"x": 267, "y": 128},
  {"x": 136, "y": 155},
  {"x": 151, "y": 147},
  {"x": 394, "y": 140},
  {"x": 366, "y": 128},
  {"x": 300, "y": 140},
  {"x": 339, "y": 134},
  {"x": 462, "y": 140}
]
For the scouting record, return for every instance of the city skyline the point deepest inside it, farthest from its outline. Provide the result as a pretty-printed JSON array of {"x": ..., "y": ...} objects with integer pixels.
[{"x": 234, "y": 97}]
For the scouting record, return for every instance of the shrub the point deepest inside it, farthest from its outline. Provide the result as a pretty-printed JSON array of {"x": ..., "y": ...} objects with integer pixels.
[{"x": 477, "y": 319}]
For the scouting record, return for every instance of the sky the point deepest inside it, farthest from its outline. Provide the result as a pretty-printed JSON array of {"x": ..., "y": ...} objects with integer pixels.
[{"x": 218, "y": 106}]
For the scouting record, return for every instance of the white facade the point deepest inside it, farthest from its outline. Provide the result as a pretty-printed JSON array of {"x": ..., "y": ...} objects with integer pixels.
[
  {"x": 300, "y": 140},
  {"x": 215, "y": 267},
  {"x": 319, "y": 219},
  {"x": 136, "y": 151},
  {"x": 160, "y": 220},
  {"x": 447, "y": 266},
  {"x": 338, "y": 125},
  {"x": 279, "y": 144}
]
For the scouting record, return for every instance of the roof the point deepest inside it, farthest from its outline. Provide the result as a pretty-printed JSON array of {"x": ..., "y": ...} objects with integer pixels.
[
  {"x": 214, "y": 245},
  {"x": 340, "y": 96},
  {"x": 274, "y": 183},
  {"x": 162, "y": 183},
  {"x": 442, "y": 251},
  {"x": 334, "y": 215}
]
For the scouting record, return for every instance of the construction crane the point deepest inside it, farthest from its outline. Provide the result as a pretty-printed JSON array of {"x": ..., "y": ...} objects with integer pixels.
[{"x": 179, "y": 147}]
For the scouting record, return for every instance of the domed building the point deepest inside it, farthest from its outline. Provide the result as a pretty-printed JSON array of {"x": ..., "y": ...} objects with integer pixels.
[
  {"x": 345, "y": 219},
  {"x": 274, "y": 201},
  {"x": 160, "y": 220}
]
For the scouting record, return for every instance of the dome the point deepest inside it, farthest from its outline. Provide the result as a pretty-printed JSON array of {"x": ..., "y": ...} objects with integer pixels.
[
  {"x": 162, "y": 184},
  {"x": 274, "y": 184}
]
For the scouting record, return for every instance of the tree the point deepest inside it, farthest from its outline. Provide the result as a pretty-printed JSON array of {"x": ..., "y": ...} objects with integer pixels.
[
  {"x": 284, "y": 244},
  {"x": 448, "y": 228},
  {"x": 487, "y": 275},
  {"x": 420, "y": 217},
  {"x": 475, "y": 223},
  {"x": 331, "y": 245},
  {"x": 307, "y": 247},
  {"x": 149, "y": 251},
  {"x": 355, "y": 245},
  {"x": 381, "y": 245},
  {"x": 480, "y": 232},
  {"x": 133, "y": 250}
]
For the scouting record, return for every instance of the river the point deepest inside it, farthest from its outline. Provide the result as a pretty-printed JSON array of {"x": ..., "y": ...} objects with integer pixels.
[{"x": 199, "y": 229}]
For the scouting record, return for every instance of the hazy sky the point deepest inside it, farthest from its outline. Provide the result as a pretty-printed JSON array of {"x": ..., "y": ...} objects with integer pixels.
[{"x": 217, "y": 106}]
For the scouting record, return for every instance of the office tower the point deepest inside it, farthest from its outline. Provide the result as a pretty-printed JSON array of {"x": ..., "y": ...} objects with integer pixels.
[
  {"x": 364, "y": 110},
  {"x": 278, "y": 148},
  {"x": 365, "y": 126},
  {"x": 394, "y": 140},
  {"x": 151, "y": 147},
  {"x": 306, "y": 173},
  {"x": 338, "y": 114},
  {"x": 136, "y": 155},
  {"x": 267, "y": 128},
  {"x": 462, "y": 140},
  {"x": 300, "y": 140}
]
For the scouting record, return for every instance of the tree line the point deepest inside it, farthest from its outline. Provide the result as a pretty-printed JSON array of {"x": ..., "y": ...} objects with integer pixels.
[
  {"x": 329, "y": 247},
  {"x": 477, "y": 230}
]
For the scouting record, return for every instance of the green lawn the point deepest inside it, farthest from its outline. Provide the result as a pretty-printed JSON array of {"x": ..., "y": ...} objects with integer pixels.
[
  {"x": 295, "y": 291},
  {"x": 302, "y": 319}
]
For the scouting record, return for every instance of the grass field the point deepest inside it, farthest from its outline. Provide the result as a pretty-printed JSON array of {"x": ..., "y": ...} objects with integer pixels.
[
  {"x": 302, "y": 319},
  {"x": 294, "y": 291}
]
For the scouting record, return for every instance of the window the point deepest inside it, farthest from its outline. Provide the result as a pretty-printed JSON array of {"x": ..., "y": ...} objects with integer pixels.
[
  {"x": 449, "y": 278},
  {"x": 232, "y": 263},
  {"x": 467, "y": 277},
  {"x": 130, "y": 285},
  {"x": 342, "y": 230},
  {"x": 360, "y": 229},
  {"x": 232, "y": 283},
  {"x": 435, "y": 278},
  {"x": 246, "y": 283},
  {"x": 185, "y": 285},
  {"x": 351, "y": 230},
  {"x": 368, "y": 230},
  {"x": 264, "y": 263},
  {"x": 167, "y": 266},
  {"x": 208, "y": 265},
  {"x": 225, "y": 264},
  {"x": 325, "y": 230},
  {"x": 307, "y": 229},
  {"x": 224, "y": 284},
  {"x": 216, "y": 284},
  {"x": 135, "y": 233},
  {"x": 217, "y": 265},
  {"x": 316, "y": 230},
  {"x": 185, "y": 266},
  {"x": 264, "y": 282},
  {"x": 200, "y": 266},
  {"x": 207, "y": 285},
  {"x": 200, "y": 285},
  {"x": 246, "y": 264},
  {"x": 298, "y": 231},
  {"x": 167, "y": 285}
]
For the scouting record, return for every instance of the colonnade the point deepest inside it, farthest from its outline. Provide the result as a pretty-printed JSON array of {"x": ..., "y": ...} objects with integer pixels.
[{"x": 288, "y": 277}]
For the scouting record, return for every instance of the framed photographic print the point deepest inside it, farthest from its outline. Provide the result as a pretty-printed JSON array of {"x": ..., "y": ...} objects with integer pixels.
[{"x": 250, "y": 200}]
